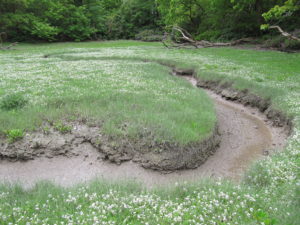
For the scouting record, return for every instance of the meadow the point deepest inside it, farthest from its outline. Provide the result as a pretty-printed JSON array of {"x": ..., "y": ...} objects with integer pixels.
[
  {"x": 93, "y": 80},
  {"x": 60, "y": 86}
]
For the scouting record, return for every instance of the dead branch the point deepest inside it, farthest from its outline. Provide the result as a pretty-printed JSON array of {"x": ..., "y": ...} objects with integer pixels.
[
  {"x": 186, "y": 36},
  {"x": 285, "y": 34},
  {"x": 187, "y": 40}
]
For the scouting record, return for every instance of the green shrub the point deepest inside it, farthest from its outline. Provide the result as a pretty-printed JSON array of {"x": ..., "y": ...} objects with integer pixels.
[
  {"x": 13, "y": 101},
  {"x": 62, "y": 128},
  {"x": 44, "y": 20},
  {"x": 133, "y": 16},
  {"x": 17, "y": 26},
  {"x": 14, "y": 135},
  {"x": 74, "y": 24},
  {"x": 44, "y": 31}
]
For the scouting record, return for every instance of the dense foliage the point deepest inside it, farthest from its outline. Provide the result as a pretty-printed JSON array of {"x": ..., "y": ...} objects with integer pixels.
[
  {"x": 225, "y": 19},
  {"x": 76, "y": 20}
]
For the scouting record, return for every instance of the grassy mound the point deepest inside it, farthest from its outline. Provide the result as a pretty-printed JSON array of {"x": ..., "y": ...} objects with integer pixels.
[
  {"x": 125, "y": 97},
  {"x": 143, "y": 113},
  {"x": 269, "y": 193}
]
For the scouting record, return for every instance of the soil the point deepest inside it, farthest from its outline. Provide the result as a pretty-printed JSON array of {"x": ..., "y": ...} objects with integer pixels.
[
  {"x": 145, "y": 150},
  {"x": 246, "y": 98},
  {"x": 247, "y": 134},
  {"x": 149, "y": 154}
]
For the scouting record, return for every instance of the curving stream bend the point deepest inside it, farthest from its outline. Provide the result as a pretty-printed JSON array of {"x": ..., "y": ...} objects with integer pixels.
[{"x": 246, "y": 136}]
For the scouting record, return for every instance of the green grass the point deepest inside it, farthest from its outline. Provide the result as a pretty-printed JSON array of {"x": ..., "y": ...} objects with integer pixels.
[
  {"x": 14, "y": 135},
  {"x": 109, "y": 91},
  {"x": 61, "y": 127},
  {"x": 269, "y": 192},
  {"x": 12, "y": 102},
  {"x": 102, "y": 202}
]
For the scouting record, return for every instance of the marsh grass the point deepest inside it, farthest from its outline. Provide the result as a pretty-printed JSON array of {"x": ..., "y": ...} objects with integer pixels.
[
  {"x": 113, "y": 92},
  {"x": 13, "y": 102},
  {"x": 269, "y": 192},
  {"x": 104, "y": 202}
]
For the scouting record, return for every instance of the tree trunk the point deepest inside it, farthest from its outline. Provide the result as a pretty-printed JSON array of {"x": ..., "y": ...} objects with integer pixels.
[
  {"x": 189, "y": 41},
  {"x": 285, "y": 34}
]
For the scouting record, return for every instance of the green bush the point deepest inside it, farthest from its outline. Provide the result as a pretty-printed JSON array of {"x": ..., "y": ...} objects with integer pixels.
[
  {"x": 74, "y": 24},
  {"x": 45, "y": 20},
  {"x": 17, "y": 26},
  {"x": 62, "y": 128},
  {"x": 14, "y": 135},
  {"x": 13, "y": 101},
  {"x": 134, "y": 16},
  {"x": 44, "y": 31}
]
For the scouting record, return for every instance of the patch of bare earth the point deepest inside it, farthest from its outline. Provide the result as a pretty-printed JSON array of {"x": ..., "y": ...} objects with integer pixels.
[
  {"x": 164, "y": 156},
  {"x": 247, "y": 134}
]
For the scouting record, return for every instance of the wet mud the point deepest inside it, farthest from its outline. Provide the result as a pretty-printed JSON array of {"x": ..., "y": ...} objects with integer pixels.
[
  {"x": 144, "y": 151},
  {"x": 247, "y": 134}
]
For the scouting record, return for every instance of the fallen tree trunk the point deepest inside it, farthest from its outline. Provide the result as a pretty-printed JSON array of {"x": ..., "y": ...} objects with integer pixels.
[
  {"x": 186, "y": 36},
  {"x": 285, "y": 34},
  {"x": 185, "y": 39}
]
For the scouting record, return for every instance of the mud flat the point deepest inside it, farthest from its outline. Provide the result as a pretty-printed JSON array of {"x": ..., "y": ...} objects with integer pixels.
[
  {"x": 144, "y": 151},
  {"x": 246, "y": 135}
]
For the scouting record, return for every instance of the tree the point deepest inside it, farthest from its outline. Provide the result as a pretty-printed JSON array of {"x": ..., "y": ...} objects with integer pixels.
[
  {"x": 101, "y": 13},
  {"x": 216, "y": 19},
  {"x": 133, "y": 17},
  {"x": 44, "y": 20},
  {"x": 184, "y": 13},
  {"x": 283, "y": 15}
]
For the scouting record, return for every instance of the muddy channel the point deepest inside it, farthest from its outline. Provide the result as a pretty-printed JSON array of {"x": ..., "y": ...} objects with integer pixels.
[{"x": 246, "y": 135}]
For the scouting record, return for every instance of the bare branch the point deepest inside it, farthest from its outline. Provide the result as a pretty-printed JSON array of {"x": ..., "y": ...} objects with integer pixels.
[
  {"x": 285, "y": 34},
  {"x": 185, "y": 36},
  {"x": 189, "y": 41}
]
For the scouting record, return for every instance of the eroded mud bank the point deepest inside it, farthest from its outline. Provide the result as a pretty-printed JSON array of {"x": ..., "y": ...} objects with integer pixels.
[
  {"x": 244, "y": 97},
  {"x": 247, "y": 134},
  {"x": 144, "y": 151}
]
